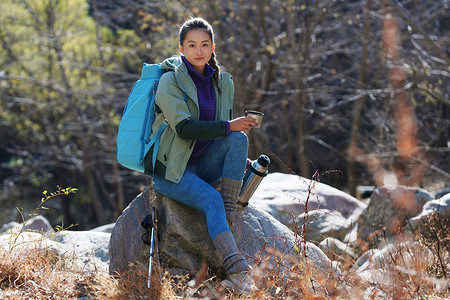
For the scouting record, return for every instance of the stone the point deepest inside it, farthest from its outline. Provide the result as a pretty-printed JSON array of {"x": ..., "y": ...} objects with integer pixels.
[
  {"x": 185, "y": 243},
  {"x": 125, "y": 245},
  {"x": 107, "y": 228},
  {"x": 287, "y": 196},
  {"x": 435, "y": 213},
  {"x": 87, "y": 250},
  {"x": 335, "y": 249},
  {"x": 440, "y": 206},
  {"x": 410, "y": 252},
  {"x": 31, "y": 239},
  {"x": 36, "y": 224},
  {"x": 388, "y": 210},
  {"x": 442, "y": 192},
  {"x": 89, "y": 247},
  {"x": 320, "y": 224}
]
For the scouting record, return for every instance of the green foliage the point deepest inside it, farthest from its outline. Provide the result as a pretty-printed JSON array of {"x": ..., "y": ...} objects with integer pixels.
[{"x": 58, "y": 103}]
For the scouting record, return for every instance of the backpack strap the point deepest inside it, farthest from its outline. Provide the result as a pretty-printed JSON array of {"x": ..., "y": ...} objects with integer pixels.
[{"x": 156, "y": 139}]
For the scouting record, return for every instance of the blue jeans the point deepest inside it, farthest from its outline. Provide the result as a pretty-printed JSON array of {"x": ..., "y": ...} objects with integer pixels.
[{"x": 226, "y": 157}]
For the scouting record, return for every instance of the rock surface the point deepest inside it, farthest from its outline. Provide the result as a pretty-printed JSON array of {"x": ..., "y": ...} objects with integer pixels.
[
  {"x": 335, "y": 249},
  {"x": 125, "y": 245},
  {"x": 36, "y": 224},
  {"x": 410, "y": 252},
  {"x": 185, "y": 242},
  {"x": 286, "y": 195},
  {"x": 440, "y": 206},
  {"x": 435, "y": 214},
  {"x": 323, "y": 223},
  {"x": 89, "y": 247},
  {"x": 389, "y": 210},
  {"x": 88, "y": 250},
  {"x": 108, "y": 228},
  {"x": 442, "y": 192}
]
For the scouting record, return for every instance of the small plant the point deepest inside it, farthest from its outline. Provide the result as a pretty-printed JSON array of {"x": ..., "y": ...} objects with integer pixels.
[
  {"x": 47, "y": 196},
  {"x": 435, "y": 236}
]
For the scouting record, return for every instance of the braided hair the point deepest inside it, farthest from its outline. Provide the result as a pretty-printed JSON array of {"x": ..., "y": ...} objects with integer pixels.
[{"x": 199, "y": 23}]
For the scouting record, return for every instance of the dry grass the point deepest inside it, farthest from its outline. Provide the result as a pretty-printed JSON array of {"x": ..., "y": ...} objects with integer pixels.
[
  {"x": 409, "y": 268},
  {"x": 38, "y": 273},
  {"x": 413, "y": 269}
]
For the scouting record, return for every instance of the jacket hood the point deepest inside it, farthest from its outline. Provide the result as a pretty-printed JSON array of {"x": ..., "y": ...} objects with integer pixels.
[
  {"x": 184, "y": 81},
  {"x": 172, "y": 63}
]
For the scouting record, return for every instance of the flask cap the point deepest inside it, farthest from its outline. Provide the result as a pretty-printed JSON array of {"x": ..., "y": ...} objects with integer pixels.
[{"x": 264, "y": 160}]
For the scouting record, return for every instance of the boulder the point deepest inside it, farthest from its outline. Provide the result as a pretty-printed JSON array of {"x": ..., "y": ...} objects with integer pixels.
[
  {"x": 89, "y": 247},
  {"x": 125, "y": 245},
  {"x": 108, "y": 228},
  {"x": 86, "y": 249},
  {"x": 388, "y": 266},
  {"x": 436, "y": 213},
  {"x": 285, "y": 196},
  {"x": 411, "y": 254},
  {"x": 389, "y": 210},
  {"x": 440, "y": 206},
  {"x": 31, "y": 239},
  {"x": 335, "y": 249},
  {"x": 320, "y": 224},
  {"x": 442, "y": 192},
  {"x": 185, "y": 243},
  {"x": 36, "y": 224}
]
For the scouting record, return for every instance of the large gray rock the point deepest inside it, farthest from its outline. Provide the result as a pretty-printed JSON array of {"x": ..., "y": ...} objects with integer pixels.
[
  {"x": 320, "y": 224},
  {"x": 286, "y": 195},
  {"x": 125, "y": 245},
  {"x": 107, "y": 228},
  {"x": 30, "y": 239},
  {"x": 442, "y": 192},
  {"x": 440, "y": 206},
  {"x": 185, "y": 242},
  {"x": 83, "y": 249},
  {"x": 435, "y": 213},
  {"x": 397, "y": 260},
  {"x": 36, "y": 224},
  {"x": 335, "y": 249},
  {"x": 89, "y": 247},
  {"x": 389, "y": 210}
]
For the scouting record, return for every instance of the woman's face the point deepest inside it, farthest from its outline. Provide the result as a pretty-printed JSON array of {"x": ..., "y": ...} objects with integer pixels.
[{"x": 197, "y": 48}]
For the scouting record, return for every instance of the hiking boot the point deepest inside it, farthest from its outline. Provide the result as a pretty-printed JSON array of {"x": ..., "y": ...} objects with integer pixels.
[{"x": 241, "y": 282}]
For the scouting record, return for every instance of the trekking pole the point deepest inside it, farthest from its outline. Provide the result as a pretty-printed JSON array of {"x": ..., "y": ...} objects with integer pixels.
[
  {"x": 151, "y": 238},
  {"x": 152, "y": 245},
  {"x": 155, "y": 220}
]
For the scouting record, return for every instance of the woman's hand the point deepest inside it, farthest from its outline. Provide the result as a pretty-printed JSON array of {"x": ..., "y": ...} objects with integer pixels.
[{"x": 242, "y": 124}]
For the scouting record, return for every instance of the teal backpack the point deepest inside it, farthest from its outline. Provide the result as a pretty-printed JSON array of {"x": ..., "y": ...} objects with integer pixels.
[{"x": 135, "y": 128}]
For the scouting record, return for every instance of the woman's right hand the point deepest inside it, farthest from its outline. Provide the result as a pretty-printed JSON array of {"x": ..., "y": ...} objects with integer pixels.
[{"x": 242, "y": 124}]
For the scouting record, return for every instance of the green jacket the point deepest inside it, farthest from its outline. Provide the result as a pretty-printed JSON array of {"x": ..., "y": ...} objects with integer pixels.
[{"x": 178, "y": 140}]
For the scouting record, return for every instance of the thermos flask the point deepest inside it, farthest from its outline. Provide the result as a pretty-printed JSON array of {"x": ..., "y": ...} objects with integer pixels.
[{"x": 257, "y": 170}]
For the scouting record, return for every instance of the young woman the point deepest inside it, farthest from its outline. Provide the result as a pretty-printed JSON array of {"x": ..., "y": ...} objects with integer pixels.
[{"x": 202, "y": 143}]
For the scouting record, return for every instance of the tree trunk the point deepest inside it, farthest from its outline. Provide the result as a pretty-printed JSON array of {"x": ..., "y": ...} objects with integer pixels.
[
  {"x": 93, "y": 193},
  {"x": 359, "y": 104},
  {"x": 300, "y": 87},
  {"x": 65, "y": 201},
  {"x": 110, "y": 133}
]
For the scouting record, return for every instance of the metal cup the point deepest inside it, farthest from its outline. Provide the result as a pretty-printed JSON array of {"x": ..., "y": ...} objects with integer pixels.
[{"x": 257, "y": 115}]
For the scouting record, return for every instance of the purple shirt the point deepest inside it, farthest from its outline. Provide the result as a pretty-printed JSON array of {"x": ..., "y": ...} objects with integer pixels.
[{"x": 207, "y": 106}]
